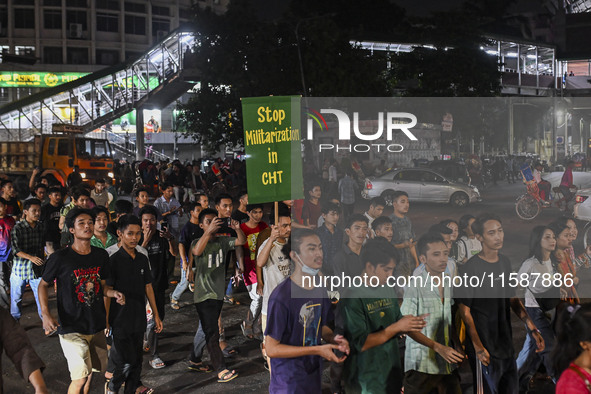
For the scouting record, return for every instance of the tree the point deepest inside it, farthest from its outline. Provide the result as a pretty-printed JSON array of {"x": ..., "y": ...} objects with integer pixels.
[{"x": 240, "y": 55}]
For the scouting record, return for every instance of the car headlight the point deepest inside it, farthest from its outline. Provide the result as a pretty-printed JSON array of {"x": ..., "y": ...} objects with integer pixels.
[
  {"x": 111, "y": 175},
  {"x": 83, "y": 175}
]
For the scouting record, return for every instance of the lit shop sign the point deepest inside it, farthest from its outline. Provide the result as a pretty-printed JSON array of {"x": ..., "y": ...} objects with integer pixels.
[{"x": 12, "y": 79}]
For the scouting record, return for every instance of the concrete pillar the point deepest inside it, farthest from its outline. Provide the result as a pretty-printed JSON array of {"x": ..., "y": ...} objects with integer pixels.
[{"x": 140, "y": 152}]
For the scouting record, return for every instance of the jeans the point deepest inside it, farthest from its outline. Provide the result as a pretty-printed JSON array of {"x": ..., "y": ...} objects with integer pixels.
[
  {"x": 528, "y": 360},
  {"x": 198, "y": 345},
  {"x": 127, "y": 359},
  {"x": 150, "y": 335},
  {"x": 500, "y": 377},
  {"x": 181, "y": 287},
  {"x": 209, "y": 312},
  {"x": 17, "y": 286},
  {"x": 229, "y": 289},
  {"x": 255, "y": 305}
]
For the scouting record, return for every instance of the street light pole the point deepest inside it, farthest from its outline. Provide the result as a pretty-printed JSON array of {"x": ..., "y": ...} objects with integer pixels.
[
  {"x": 297, "y": 28},
  {"x": 300, "y": 57}
]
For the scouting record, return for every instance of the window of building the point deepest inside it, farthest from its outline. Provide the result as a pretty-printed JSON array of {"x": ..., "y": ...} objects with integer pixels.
[
  {"x": 107, "y": 4},
  {"x": 52, "y": 19},
  {"x": 161, "y": 25},
  {"x": 21, "y": 50},
  {"x": 77, "y": 56},
  {"x": 24, "y": 18},
  {"x": 163, "y": 11},
  {"x": 26, "y": 2},
  {"x": 76, "y": 3},
  {"x": 107, "y": 57},
  {"x": 107, "y": 22},
  {"x": 135, "y": 25},
  {"x": 53, "y": 55},
  {"x": 186, "y": 13},
  {"x": 4, "y": 49},
  {"x": 3, "y": 21},
  {"x": 78, "y": 17},
  {"x": 130, "y": 55},
  {"x": 135, "y": 7}
]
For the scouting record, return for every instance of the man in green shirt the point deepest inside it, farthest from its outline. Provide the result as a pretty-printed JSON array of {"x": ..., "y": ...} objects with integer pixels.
[
  {"x": 430, "y": 358},
  {"x": 209, "y": 253},
  {"x": 102, "y": 238},
  {"x": 372, "y": 322}
]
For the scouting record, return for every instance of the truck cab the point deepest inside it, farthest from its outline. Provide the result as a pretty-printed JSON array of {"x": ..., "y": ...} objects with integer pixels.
[{"x": 62, "y": 153}]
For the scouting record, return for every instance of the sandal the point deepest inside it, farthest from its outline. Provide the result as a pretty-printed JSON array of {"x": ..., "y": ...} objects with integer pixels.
[
  {"x": 199, "y": 367},
  {"x": 230, "y": 351},
  {"x": 227, "y": 376},
  {"x": 229, "y": 300},
  {"x": 246, "y": 331},
  {"x": 144, "y": 390},
  {"x": 157, "y": 363},
  {"x": 174, "y": 304},
  {"x": 192, "y": 287}
]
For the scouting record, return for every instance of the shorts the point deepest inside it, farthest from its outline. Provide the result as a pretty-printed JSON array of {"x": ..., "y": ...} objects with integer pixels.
[{"x": 84, "y": 353}]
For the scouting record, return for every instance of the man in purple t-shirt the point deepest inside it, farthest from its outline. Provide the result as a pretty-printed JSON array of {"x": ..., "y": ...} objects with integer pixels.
[{"x": 297, "y": 320}]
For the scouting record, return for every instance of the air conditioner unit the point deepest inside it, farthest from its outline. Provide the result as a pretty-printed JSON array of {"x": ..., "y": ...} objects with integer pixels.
[
  {"x": 75, "y": 30},
  {"x": 160, "y": 34}
]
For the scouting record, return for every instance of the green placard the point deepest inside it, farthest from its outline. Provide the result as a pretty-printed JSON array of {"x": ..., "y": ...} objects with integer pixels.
[{"x": 272, "y": 140}]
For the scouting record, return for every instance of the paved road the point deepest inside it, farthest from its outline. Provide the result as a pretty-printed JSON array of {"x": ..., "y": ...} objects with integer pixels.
[{"x": 180, "y": 325}]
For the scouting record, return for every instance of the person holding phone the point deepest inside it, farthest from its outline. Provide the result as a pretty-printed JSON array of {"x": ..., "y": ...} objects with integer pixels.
[
  {"x": 170, "y": 209},
  {"x": 298, "y": 320},
  {"x": 209, "y": 257},
  {"x": 160, "y": 246}
]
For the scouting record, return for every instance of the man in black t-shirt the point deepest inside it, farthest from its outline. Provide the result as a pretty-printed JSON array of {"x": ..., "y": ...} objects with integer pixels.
[
  {"x": 240, "y": 214},
  {"x": 50, "y": 219},
  {"x": 8, "y": 196},
  {"x": 160, "y": 246},
  {"x": 81, "y": 271},
  {"x": 486, "y": 310},
  {"x": 130, "y": 274}
]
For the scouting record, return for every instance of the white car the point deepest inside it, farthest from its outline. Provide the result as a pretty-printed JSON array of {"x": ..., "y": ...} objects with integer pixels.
[
  {"x": 582, "y": 211},
  {"x": 582, "y": 208},
  {"x": 421, "y": 184}
]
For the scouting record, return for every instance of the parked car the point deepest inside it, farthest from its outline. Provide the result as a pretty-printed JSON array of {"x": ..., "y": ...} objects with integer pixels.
[
  {"x": 421, "y": 184},
  {"x": 582, "y": 211},
  {"x": 451, "y": 170}
]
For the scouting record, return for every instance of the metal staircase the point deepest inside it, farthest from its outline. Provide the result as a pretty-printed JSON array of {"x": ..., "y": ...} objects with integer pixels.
[{"x": 155, "y": 78}]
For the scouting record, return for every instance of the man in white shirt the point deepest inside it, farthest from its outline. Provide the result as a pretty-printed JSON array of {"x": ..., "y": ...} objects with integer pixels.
[{"x": 276, "y": 266}]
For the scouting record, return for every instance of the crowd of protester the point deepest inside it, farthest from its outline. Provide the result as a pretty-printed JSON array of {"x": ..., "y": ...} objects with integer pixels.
[{"x": 110, "y": 261}]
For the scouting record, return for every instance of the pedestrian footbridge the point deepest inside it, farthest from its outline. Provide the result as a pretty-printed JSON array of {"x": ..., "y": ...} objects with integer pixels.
[{"x": 157, "y": 78}]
